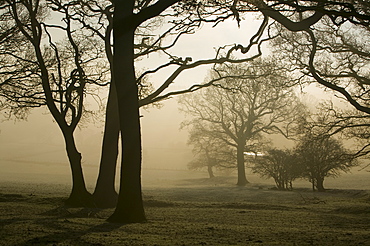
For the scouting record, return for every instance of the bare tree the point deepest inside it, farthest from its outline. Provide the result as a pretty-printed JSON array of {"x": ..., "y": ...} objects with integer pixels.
[
  {"x": 96, "y": 19},
  {"x": 61, "y": 74},
  {"x": 210, "y": 152},
  {"x": 335, "y": 55},
  {"x": 249, "y": 102},
  {"x": 322, "y": 156},
  {"x": 127, "y": 18}
]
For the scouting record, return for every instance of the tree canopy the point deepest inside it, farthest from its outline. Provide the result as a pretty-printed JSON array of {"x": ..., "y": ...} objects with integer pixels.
[{"x": 322, "y": 156}]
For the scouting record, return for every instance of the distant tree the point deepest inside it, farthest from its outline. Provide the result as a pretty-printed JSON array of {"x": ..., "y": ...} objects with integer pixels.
[
  {"x": 209, "y": 152},
  {"x": 322, "y": 156},
  {"x": 335, "y": 53},
  {"x": 249, "y": 101},
  {"x": 281, "y": 165}
]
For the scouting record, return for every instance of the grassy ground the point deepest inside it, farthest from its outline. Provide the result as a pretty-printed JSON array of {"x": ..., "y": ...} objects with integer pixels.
[{"x": 191, "y": 212}]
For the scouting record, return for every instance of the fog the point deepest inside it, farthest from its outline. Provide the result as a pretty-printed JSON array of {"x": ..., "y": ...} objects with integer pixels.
[
  {"x": 38, "y": 140},
  {"x": 33, "y": 148}
]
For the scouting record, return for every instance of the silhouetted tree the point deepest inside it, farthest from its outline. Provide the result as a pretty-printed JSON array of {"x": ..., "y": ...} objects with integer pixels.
[
  {"x": 128, "y": 16},
  {"x": 100, "y": 24},
  {"x": 60, "y": 72},
  {"x": 335, "y": 54},
  {"x": 20, "y": 90}
]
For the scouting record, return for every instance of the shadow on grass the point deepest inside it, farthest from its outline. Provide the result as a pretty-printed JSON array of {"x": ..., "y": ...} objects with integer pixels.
[
  {"x": 64, "y": 211},
  {"x": 12, "y": 197},
  {"x": 69, "y": 236},
  {"x": 9, "y": 200},
  {"x": 61, "y": 226}
]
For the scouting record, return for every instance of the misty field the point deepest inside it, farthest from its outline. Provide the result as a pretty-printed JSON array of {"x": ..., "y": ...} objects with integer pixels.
[{"x": 189, "y": 209}]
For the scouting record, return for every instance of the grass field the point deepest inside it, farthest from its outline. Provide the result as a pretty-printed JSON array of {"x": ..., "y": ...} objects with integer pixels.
[{"x": 185, "y": 208}]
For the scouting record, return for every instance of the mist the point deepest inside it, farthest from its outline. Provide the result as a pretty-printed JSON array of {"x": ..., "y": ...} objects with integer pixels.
[
  {"x": 36, "y": 145},
  {"x": 33, "y": 150}
]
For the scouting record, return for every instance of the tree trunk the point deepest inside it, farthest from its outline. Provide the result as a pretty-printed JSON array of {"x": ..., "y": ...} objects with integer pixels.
[
  {"x": 105, "y": 195},
  {"x": 129, "y": 207},
  {"x": 79, "y": 195},
  {"x": 242, "y": 180},
  {"x": 209, "y": 164},
  {"x": 320, "y": 184},
  {"x": 313, "y": 180},
  {"x": 210, "y": 171}
]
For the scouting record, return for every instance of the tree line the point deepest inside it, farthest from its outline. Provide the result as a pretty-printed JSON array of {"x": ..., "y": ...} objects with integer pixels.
[{"x": 102, "y": 40}]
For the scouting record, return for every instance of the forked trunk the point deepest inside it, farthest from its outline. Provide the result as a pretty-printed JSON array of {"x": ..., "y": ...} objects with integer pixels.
[
  {"x": 242, "y": 180},
  {"x": 79, "y": 196},
  {"x": 105, "y": 195}
]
